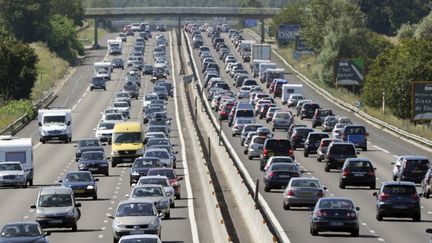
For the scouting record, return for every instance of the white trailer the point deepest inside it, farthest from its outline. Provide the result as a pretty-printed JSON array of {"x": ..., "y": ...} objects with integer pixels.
[
  {"x": 103, "y": 66},
  {"x": 288, "y": 89},
  {"x": 263, "y": 67},
  {"x": 114, "y": 46},
  {"x": 255, "y": 66},
  {"x": 55, "y": 124},
  {"x": 18, "y": 150}
]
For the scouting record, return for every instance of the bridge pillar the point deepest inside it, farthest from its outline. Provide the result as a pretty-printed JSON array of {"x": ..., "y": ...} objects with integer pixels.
[
  {"x": 179, "y": 29},
  {"x": 262, "y": 31},
  {"x": 95, "y": 43}
]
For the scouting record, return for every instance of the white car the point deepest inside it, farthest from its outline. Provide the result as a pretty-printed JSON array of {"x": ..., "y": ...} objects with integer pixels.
[
  {"x": 159, "y": 180},
  {"x": 293, "y": 99},
  {"x": 113, "y": 117},
  {"x": 148, "y": 98},
  {"x": 12, "y": 174},
  {"x": 337, "y": 130},
  {"x": 239, "y": 123},
  {"x": 123, "y": 107},
  {"x": 161, "y": 153},
  {"x": 104, "y": 131},
  {"x": 255, "y": 146},
  {"x": 278, "y": 159},
  {"x": 103, "y": 74}
]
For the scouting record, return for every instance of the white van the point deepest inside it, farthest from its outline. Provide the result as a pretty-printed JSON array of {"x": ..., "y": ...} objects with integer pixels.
[
  {"x": 255, "y": 66},
  {"x": 288, "y": 89},
  {"x": 55, "y": 124},
  {"x": 21, "y": 150},
  {"x": 263, "y": 67},
  {"x": 103, "y": 66}
]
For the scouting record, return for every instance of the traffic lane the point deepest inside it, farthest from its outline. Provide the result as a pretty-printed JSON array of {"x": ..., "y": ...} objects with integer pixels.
[{"x": 377, "y": 136}]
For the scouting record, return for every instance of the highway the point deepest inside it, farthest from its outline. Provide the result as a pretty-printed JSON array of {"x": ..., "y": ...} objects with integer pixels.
[
  {"x": 382, "y": 149},
  {"x": 53, "y": 160}
]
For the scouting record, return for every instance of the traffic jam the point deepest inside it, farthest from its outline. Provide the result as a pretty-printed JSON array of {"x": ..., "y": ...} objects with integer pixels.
[{"x": 266, "y": 115}]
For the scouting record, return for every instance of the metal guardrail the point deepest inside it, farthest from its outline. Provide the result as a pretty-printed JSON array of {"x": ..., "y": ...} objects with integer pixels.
[
  {"x": 345, "y": 105},
  {"x": 25, "y": 119}
]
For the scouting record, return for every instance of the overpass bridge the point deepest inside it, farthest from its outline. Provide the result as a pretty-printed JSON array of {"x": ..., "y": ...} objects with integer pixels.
[{"x": 180, "y": 12}]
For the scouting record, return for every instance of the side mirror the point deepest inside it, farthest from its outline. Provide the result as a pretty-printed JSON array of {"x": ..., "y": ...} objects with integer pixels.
[
  {"x": 161, "y": 215},
  {"x": 180, "y": 178},
  {"x": 176, "y": 152},
  {"x": 40, "y": 124},
  {"x": 60, "y": 181},
  {"x": 78, "y": 205},
  {"x": 33, "y": 206},
  {"x": 47, "y": 233},
  {"x": 375, "y": 194},
  {"x": 429, "y": 230},
  {"x": 97, "y": 179},
  {"x": 68, "y": 123},
  {"x": 324, "y": 188},
  {"x": 392, "y": 163},
  {"x": 357, "y": 208}
]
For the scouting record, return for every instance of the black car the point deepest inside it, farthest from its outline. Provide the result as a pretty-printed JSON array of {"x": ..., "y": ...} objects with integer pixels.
[
  {"x": 82, "y": 183},
  {"x": 83, "y": 145},
  {"x": 161, "y": 92},
  {"x": 357, "y": 172},
  {"x": 337, "y": 153},
  {"x": 132, "y": 88},
  {"x": 292, "y": 127},
  {"x": 149, "y": 113},
  {"x": 141, "y": 166},
  {"x": 275, "y": 147},
  {"x": 398, "y": 199},
  {"x": 299, "y": 136},
  {"x": 97, "y": 83},
  {"x": 95, "y": 162},
  {"x": 319, "y": 115},
  {"x": 117, "y": 63},
  {"x": 147, "y": 69},
  {"x": 278, "y": 175},
  {"x": 313, "y": 142},
  {"x": 335, "y": 214},
  {"x": 308, "y": 110}
]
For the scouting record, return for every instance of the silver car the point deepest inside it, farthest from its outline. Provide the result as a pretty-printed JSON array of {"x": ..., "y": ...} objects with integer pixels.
[
  {"x": 255, "y": 146},
  {"x": 154, "y": 193},
  {"x": 162, "y": 154},
  {"x": 282, "y": 120},
  {"x": 136, "y": 216},
  {"x": 159, "y": 180},
  {"x": 239, "y": 124},
  {"x": 248, "y": 139},
  {"x": 302, "y": 191},
  {"x": 270, "y": 113},
  {"x": 337, "y": 130},
  {"x": 12, "y": 174},
  {"x": 246, "y": 129}
]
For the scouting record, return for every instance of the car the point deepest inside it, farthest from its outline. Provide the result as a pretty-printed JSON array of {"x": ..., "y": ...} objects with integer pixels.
[
  {"x": 82, "y": 183},
  {"x": 165, "y": 157},
  {"x": 246, "y": 129},
  {"x": 299, "y": 135},
  {"x": 117, "y": 63},
  {"x": 293, "y": 99},
  {"x": 270, "y": 112},
  {"x": 278, "y": 175},
  {"x": 154, "y": 193},
  {"x": 275, "y": 147},
  {"x": 308, "y": 110},
  {"x": 144, "y": 238},
  {"x": 357, "y": 172},
  {"x": 323, "y": 146},
  {"x": 319, "y": 116},
  {"x": 135, "y": 216},
  {"x": 301, "y": 192},
  {"x": 113, "y": 117},
  {"x": 282, "y": 120},
  {"x": 89, "y": 144},
  {"x": 97, "y": 83},
  {"x": 329, "y": 123},
  {"x": 335, "y": 214},
  {"x": 398, "y": 200},
  {"x": 164, "y": 128},
  {"x": 426, "y": 184},
  {"x": 299, "y": 105},
  {"x": 122, "y": 96},
  {"x": 312, "y": 142},
  {"x": 410, "y": 168},
  {"x": 161, "y": 92},
  {"x": 337, "y": 153},
  {"x": 12, "y": 174},
  {"x": 141, "y": 166},
  {"x": 56, "y": 208},
  {"x": 132, "y": 88},
  {"x": 147, "y": 69},
  {"x": 123, "y": 107},
  {"x": 255, "y": 146},
  {"x": 264, "y": 109},
  {"x": 172, "y": 176},
  {"x": 95, "y": 162},
  {"x": 104, "y": 74},
  {"x": 337, "y": 130},
  {"x": 238, "y": 125},
  {"x": 159, "y": 180},
  {"x": 278, "y": 159},
  {"x": 355, "y": 134},
  {"x": 23, "y": 231}
]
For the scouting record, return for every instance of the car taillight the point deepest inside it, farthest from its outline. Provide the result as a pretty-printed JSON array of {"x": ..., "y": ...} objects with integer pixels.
[
  {"x": 371, "y": 173},
  {"x": 415, "y": 197},
  {"x": 384, "y": 196},
  {"x": 290, "y": 151},
  {"x": 235, "y": 126},
  {"x": 290, "y": 193},
  {"x": 271, "y": 174},
  {"x": 320, "y": 213},
  {"x": 320, "y": 193},
  {"x": 265, "y": 152},
  {"x": 345, "y": 172}
]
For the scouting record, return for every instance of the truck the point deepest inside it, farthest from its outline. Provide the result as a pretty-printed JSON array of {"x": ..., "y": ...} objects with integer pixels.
[
  {"x": 55, "y": 124},
  {"x": 255, "y": 66},
  {"x": 261, "y": 52},
  {"x": 273, "y": 73},
  {"x": 103, "y": 66},
  {"x": 14, "y": 149},
  {"x": 263, "y": 67},
  {"x": 288, "y": 89},
  {"x": 245, "y": 46},
  {"x": 114, "y": 46}
]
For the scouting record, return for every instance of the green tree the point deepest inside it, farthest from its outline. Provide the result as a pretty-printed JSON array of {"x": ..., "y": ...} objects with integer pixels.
[
  {"x": 70, "y": 8},
  {"x": 17, "y": 68},
  {"x": 26, "y": 19},
  {"x": 251, "y": 4},
  {"x": 423, "y": 30},
  {"x": 406, "y": 31},
  {"x": 292, "y": 14}
]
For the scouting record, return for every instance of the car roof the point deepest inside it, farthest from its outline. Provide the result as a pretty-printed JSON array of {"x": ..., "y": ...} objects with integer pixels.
[
  {"x": 337, "y": 198},
  {"x": 154, "y": 177},
  {"x": 358, "y": 159},
  {"x": 135, "y": 200},
  {"x": 149, "y": 236},
  {"x": 55, "y": 190},
  {"x": 414, "y": 157},
  {"x": 407, "y": 183},
  {"x": 147, "y": 185},
  {"x": 22, "y": 222}
]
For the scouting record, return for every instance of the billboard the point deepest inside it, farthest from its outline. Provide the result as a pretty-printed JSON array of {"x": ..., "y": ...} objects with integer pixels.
[
  {"x": 301, "y": 47},
  {"x": 250, "y": 23},
  {"x": 287, "y": 32},
  {"x": 349, "y": 71},
  {"x": 422, "y": 101}
]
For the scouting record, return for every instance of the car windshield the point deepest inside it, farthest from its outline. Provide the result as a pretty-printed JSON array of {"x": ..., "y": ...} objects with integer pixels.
[
  {"x": 278, "y": 144},
  {"x": 259, "y": 140},
  {"x": 78, "y": 177},
  {"x": 135, "y": 209},
  {"x": 120, "y": 104},
  {"x": 8, "y": 166},
  {"x": 92, "y": 156},
  {"x": 244, "y": 121},
  {"x": 283, "y": 115},
  {"x": 282, "y": 160},
  {"x": 417, "y": 164},
  {"x": 88, "y": 143},
  {"x": 345, "y": 149},
  {"x": 115, "y": 116},
  {"x": 158, "y": 154},
  {"x": 305, "y": 183},
  {"x": 355, "y": 130},
  {"x": 127, "y": 137},
  {"x": 284, "y": 167},
  {"x": 168, "y": 173},
  {"x": 360, "y": 165},
  {"x": 140, "y": 240},
  {"x": 150, "y": 97},
  {"x": 157, "y": 142},
  {"x": 54, "y": 119},
  {"x": 147, "y": 192},
  {"x": 20, "y": 230},
  {"x": 146, "y": 163},
  {"x": 336, "y": 204},
  {"x": 55, "y": 200},
  {"x": 106, "y": 126},
  {"x": 155, "y": 181}
]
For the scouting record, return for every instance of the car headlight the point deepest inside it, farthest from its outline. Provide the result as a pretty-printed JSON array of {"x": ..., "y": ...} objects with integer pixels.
[
  {"x": 118, "y": 225},
  {"x": 82, "y": 166},
  {"x": 135, "y": 173},
  {"x": 164, "y": 203},
  {"x": 154, "y": 223},
  {"x": 90, "y": 187},
  {"x": 70, "y": 213},
  {"x": 174, "y": 183}
]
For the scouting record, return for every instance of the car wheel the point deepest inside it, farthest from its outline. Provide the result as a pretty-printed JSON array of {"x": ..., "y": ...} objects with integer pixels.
[
  {"x": 306, "y": 154},
  {"x": 285, "y": 206},
  {"x": 373, "y": 186},
  {"x": 267, "y": 188},
  {"x": 326, "y": 168},
  {"x": 113, "y": 164},
  {"x": 74, "y": 228},
  {"x": 355, "y": 233},
  {"x": 177, "y": 196},
  {"x": 167, "y": 215},
  {"x": 319, "y": 159},
  {"x": 341, "y": 185},
  {"x": 250, "y": 157},
  {"x": 31, "y": 182},
  {"x": 116, "y": 240},
  {"x": 379, "y": 216},
  {"x": 174, "y": 165},
  {"x": 104, "y": 89},
  {"x": 172, "y": 205},
  {"x": 95, "y": 197},
  {"x": 394, "y": 178},
  {"x": 233, "y": 134},
  {"x": 273, "y": 129},
  {"x": 313, "y": 126},
  {"x": 313, "y": 231},
  {"x": 426, "y": 195},
  {"x": 244, "y": 151},
  {"x": 91, "y": 89},
  {"x": 417, "y": 218},
  {"x": 294, "y": 147},
  {"x": 365, "y": 148}
]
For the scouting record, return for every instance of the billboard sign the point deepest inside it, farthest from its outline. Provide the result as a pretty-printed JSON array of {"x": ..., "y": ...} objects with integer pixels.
[
  {"x": 301, "y": 47},
  {"x": 250, "y": 23},
  {"x": 349, "y": 71},
  {"x": 421, "y": 101},
  {"x": 287, "y": 32}
]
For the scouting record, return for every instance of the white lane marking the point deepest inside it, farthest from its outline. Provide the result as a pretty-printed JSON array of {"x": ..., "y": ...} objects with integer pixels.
[
  {"x": 429, "y": 212},
  {"x": 26, "y": 217},
  {"x": 385, "y": 151},
  {"x": 37, "y": 145},
  {"x": 105, "y": 221},
  {"x": 103, "y": 228},
  {"x": 364, "y": 224},
  {"x": 100, "y": 236},
  {"x": 190, "y": 208},
  {"x": 395, "y": 156},
  {"x": 110, "y": 208},
  {"x": 112, "y": 202},
  {"x": 381, "y": 239},
  {"x": 372, "y": 231}
]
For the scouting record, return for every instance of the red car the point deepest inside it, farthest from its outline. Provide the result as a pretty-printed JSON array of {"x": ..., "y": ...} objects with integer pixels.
[
  {"x": 172, "y": 177},
  {"x": 225, "y": 111}
]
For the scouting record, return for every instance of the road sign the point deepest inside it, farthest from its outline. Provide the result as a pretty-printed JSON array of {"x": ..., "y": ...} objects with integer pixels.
[
  {"x": 301, "y": 47},
  {"x": 421, "y": 101},
  {"x": 287, "y": 32},
  {"x": 250, "y": 23},
  {"x": 349, "y": 71}
]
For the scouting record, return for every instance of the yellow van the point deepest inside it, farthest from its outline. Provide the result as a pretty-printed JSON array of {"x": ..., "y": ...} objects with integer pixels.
[{"x": 127, "y": 142}]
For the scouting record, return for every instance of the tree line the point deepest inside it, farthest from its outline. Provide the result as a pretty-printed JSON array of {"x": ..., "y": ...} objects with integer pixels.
[
  {"x": 25, "y": 21},
  {"x": 361, "y": 28}
]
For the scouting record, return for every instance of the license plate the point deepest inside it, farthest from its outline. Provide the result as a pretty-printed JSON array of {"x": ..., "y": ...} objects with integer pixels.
[
  {"x": 400, "y": 207},
  {"x": 336, "y": 223},
  {"x": 56, "y": 221},
  {"x": 93, "y": 169},
  {"x": 79, "y": 191},
  {"x": 417, "y": 171},
  {"x": 137, "y": 232},
  {"x": 284, "y": 176},
  {"x": 359, "y": 174},
  {"x": 307, "y": 194},
  {"x": 55, "y": 137},
  {"x": 127, "y": 159}
]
